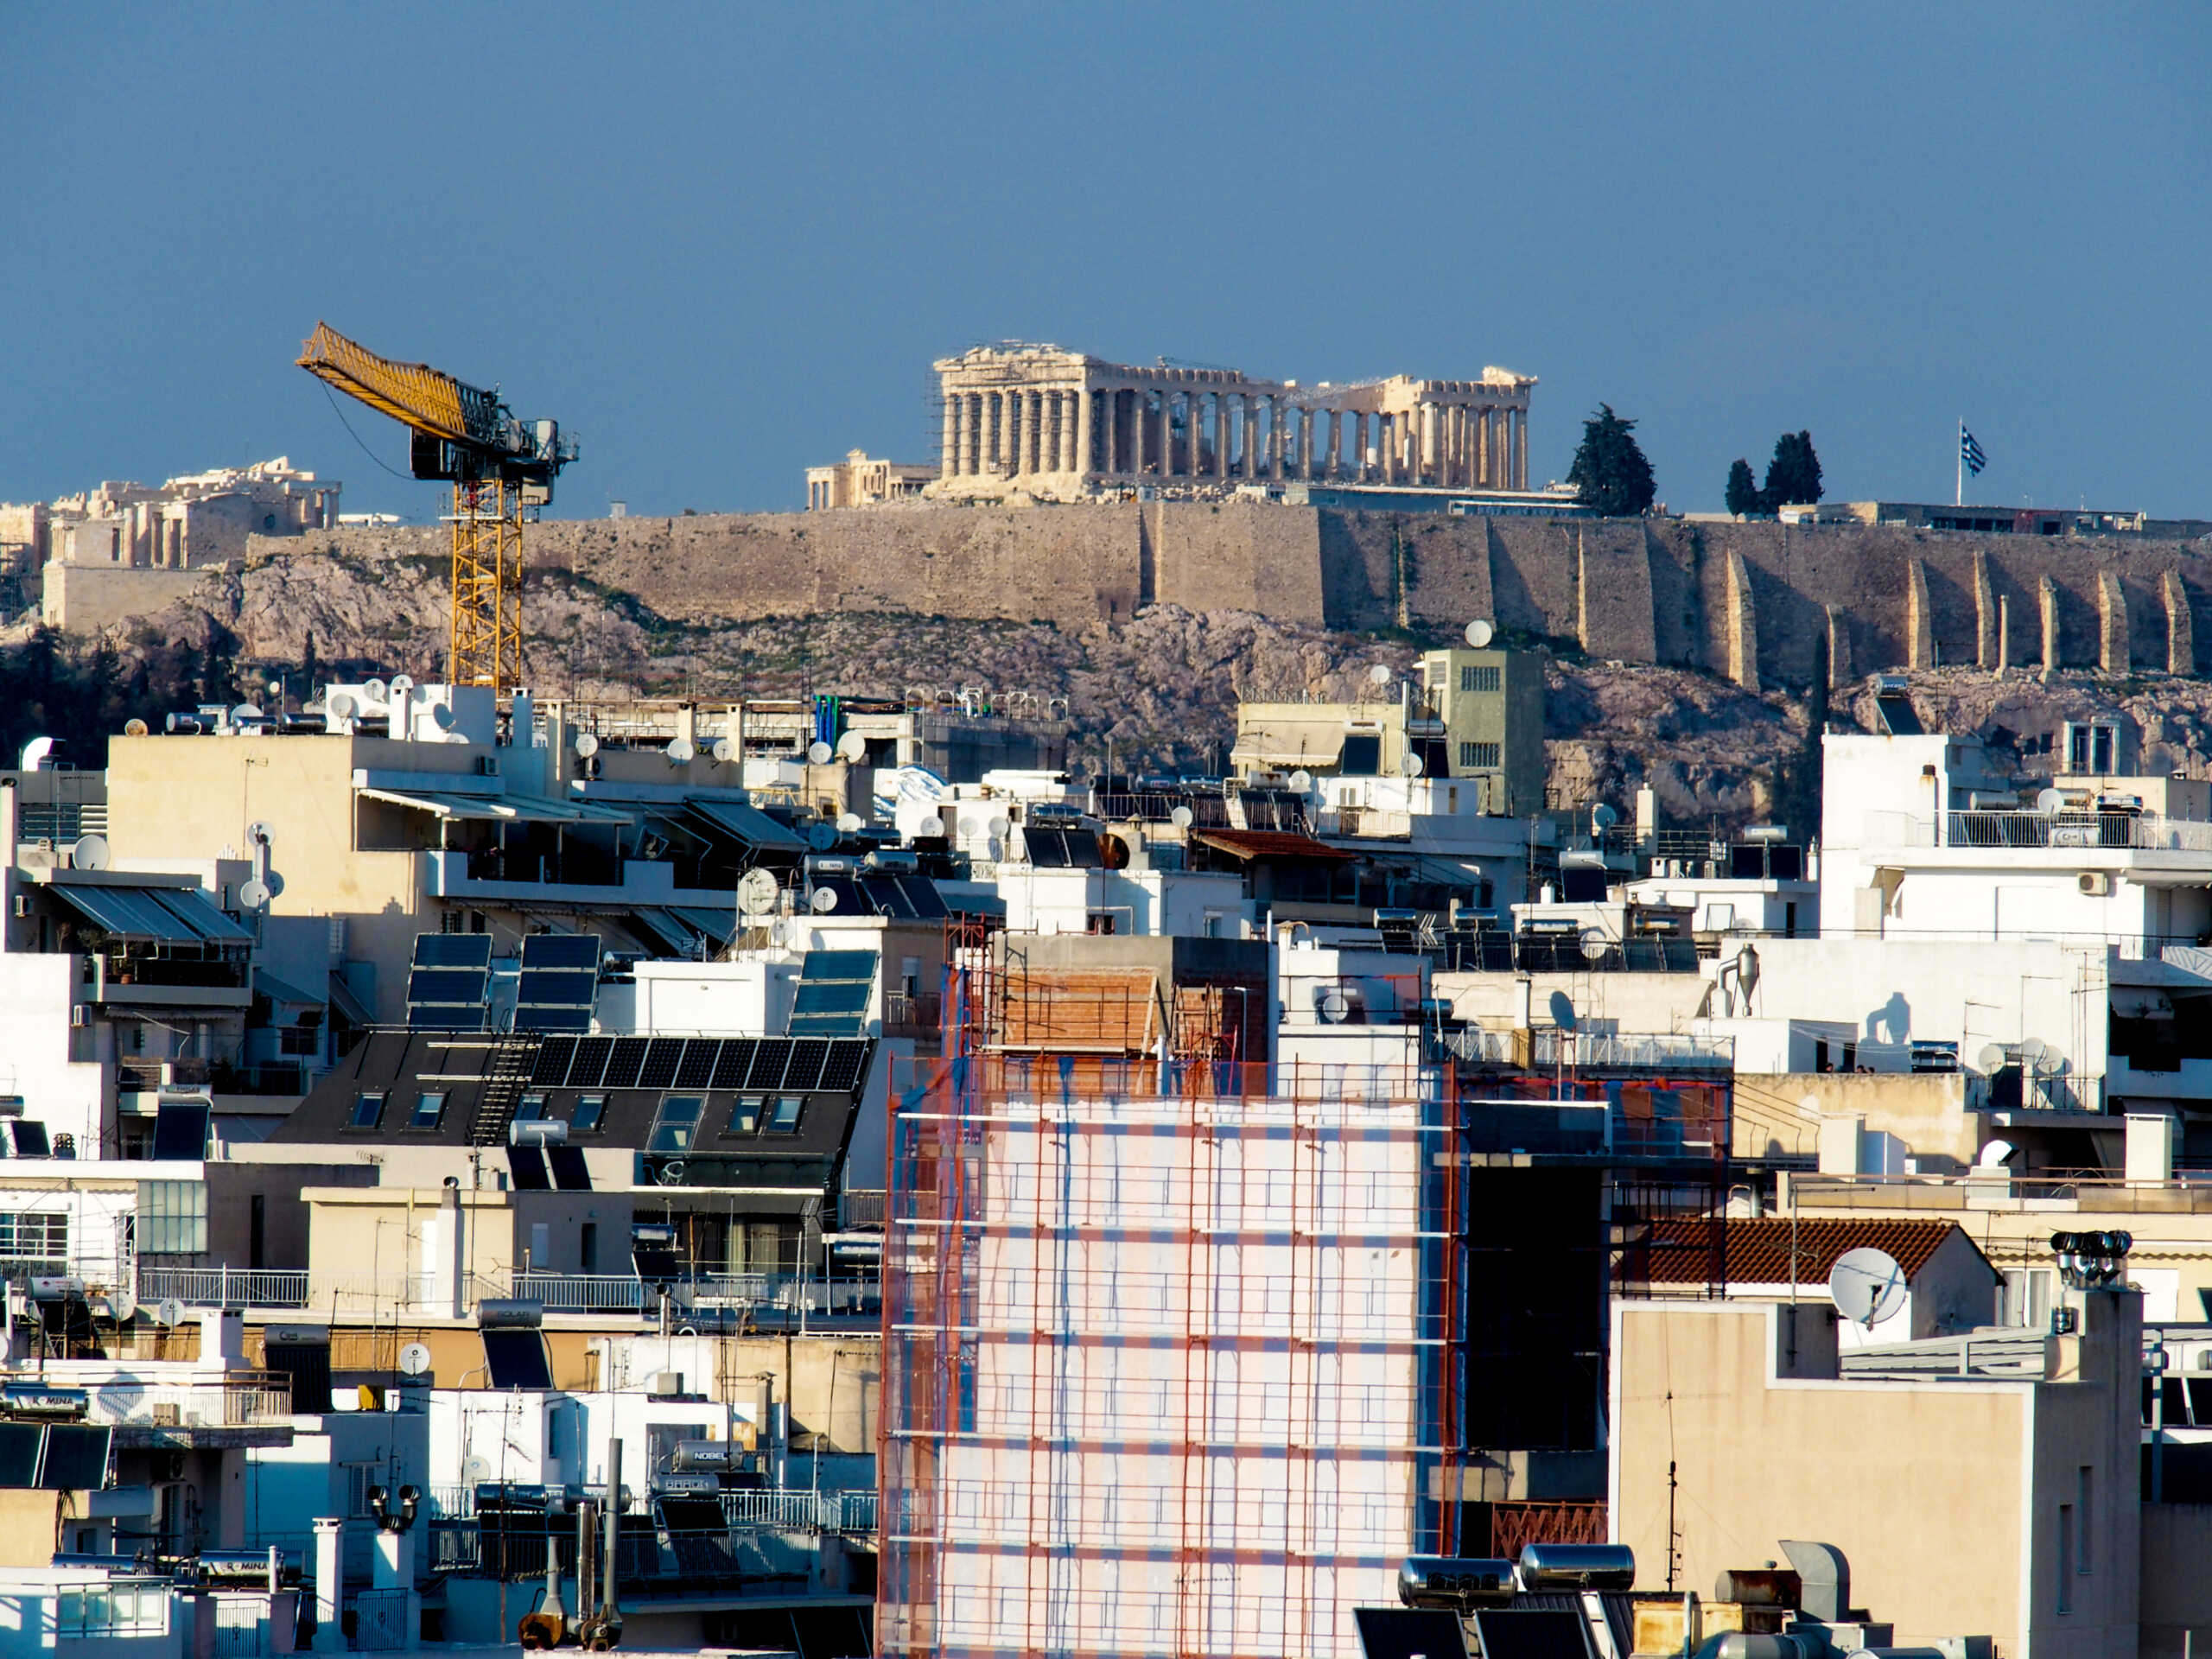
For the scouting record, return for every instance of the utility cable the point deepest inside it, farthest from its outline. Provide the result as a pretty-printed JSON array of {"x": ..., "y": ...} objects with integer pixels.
[{"x": 357, "y": 437}]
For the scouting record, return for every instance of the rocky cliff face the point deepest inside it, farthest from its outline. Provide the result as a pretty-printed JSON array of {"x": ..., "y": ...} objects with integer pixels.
[{"x": 1163, "y": 685}]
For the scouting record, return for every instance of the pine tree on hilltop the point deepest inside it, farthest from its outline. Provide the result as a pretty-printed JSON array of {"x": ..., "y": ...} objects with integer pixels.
[
  {"x": 1610, "y": 471},
  {"x": 1794, "y": 475},
  {"x": 1744, "y": 499}
]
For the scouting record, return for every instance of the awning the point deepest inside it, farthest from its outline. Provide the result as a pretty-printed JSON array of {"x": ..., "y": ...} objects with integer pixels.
[
  {"x": 716, "y": 925},
  {"x": 166, "y": 915},
  {"x": 343, "y": 998},
  {"x": 748, "y": 824},
  {"x": 1270, "y": 843},
  {"x": 283, "y": 990},
  {"x": 500, "y": 809}
]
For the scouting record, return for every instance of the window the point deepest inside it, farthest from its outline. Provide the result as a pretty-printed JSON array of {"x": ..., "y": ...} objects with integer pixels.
[
  {"x": 2082, "y": 1495},
  {"x": 2025, "y": 1298},
  {"x": 2066, "y": 1558},
  {"x": 589, "y": 1110},
  {"x": 1479, "y": 677},
  {"x": 783, "y": 1118},
  {"x": 35, "y": 1237},
  {"x": 368, "y": 1111},
  {"x": 531, "y": 1109},
  {"x": 744, "y": 1116},
  {"x": 172, "y": 1218},
  {"x": 429, "y": 1107},
  {"x": 1474, "y": 755},
  {"x": 676, "y": 1124}
]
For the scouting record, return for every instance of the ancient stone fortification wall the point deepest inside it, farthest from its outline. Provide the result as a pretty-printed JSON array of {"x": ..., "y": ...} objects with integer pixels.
[{"x": 1764, "y": 604}]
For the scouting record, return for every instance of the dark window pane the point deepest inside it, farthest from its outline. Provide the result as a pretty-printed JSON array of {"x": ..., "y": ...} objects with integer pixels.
[
  {"x": 589, "y": 1110},
  {"x": 429, "y": 1107},
  {"x": 368, "y": 1111}
]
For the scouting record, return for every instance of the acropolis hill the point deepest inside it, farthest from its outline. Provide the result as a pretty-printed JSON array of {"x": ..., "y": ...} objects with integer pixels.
[{"x": 1761, "y": 604}]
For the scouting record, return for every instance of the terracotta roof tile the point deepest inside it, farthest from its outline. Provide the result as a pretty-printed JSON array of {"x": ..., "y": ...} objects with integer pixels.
[
  {"x": 1269, "y": 843},
  {"x": 1759, "y": 1251}
]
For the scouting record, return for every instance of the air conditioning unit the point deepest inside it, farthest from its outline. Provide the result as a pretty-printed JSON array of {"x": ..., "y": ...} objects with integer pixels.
[
  {"x": 666, "y": 1385},
  {"x": 2095, "y": 884},
  {"x": 166, "y": 1415}
]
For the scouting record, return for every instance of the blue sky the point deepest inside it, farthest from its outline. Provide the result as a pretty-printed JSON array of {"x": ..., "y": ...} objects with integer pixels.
[{"x": 722, "y": 242}]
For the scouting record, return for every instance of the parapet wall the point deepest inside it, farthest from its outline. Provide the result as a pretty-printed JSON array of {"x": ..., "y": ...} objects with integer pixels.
[{"x": 1765, "y": 604}]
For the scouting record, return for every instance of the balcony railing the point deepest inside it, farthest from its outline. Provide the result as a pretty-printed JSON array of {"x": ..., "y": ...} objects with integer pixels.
[
  {"x": 2027, "y": 831},
  {"x": 253, "y": 1399},
  {"x": 294, "y": 1290}
]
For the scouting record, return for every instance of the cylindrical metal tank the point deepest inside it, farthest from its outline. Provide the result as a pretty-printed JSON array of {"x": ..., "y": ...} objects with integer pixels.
[
  {"x": 1455, "y": 1583},
  {"x": 1577, "y": 1566}
]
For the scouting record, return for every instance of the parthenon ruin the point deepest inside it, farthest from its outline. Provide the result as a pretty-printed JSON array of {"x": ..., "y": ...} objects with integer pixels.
[{"x": 1058, "y": 425}]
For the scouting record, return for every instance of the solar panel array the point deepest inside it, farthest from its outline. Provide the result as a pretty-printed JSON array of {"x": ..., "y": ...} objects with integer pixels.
[
  {"x": 1061, "y": 850},
  {"x": 181, "y": 1131},
  {"x": 56, "y": 1456},
  {"x": 516, "y": 1359},
  {"x": 449, "y": 982},
  {"x": 834, "y": 989},
  {"x": 892, "y": 893},
  {"x": 797, "y": 1065},
  {"x": 559, "y": 983}
]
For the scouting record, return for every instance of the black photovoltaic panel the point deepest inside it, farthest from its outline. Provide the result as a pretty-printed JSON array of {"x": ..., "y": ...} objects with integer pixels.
[
  {"x": 528, "y": 1164},
  {"x": 1409, "y": 1633},
  {"x": 697, "y": 1070},
  {"x": 76, "y": 1457},
  {"x": 1532, "y": 1633},
  {"x": 661, "y": 1062},
  {"x": 629, "y": 1054},
  {"x": 439, "y": 1016},
  {"x": 768, "y": 1063},
  {"x": 590, "y": 1063},
  {"x": 805, "y": 1072},
  {"x": 447, "y": 984},
  {"x": 832, "y": 997},
  {"x": 845, "y": 891},
  {"x": 527, "y": 1019},
  {"x": 838, "y": 964},
  {"x": 180, "y": 1133},
  {"x": 557, "y": 988},
  {"x": 924, "y": 901},
  {"x": 516, "y": 1359},
  {"x": 554, "y": 1056},
  {"x": 454, "y": 950},
  {"x": 841, "y": 1072},
  {"x": 734, "y": 1062},
  {"x": 569, "y": 1172},
  {"x": 560, "y": 950},
  {"x": 693, "y": 1514},
  {"x": 20, "y": 1444}
]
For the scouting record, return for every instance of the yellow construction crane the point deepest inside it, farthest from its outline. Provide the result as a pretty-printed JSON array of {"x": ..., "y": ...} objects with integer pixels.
[{"x": 502, "y": 472}]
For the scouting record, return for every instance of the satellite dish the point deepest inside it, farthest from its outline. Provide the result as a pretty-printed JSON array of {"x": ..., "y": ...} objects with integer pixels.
[
  {"x": 971, "y": 827},
  {"x": 339, "y": 705},
  {"x": 1379, "y": 675},
  {"x": 819, "y": 753},
  {"x": 245, "y": 713},
  {"x": 822, "y": 837},
  {"x": 823, "y": 900},
  {"x": 586, "y": 745},
  {"x": 1480, "y": 632},
  {"x": 723, "y": 751},
  {"x": 1410, "y": 765},
  {"x": 683, "y": 752},
  {"x": 442, "y": 717},
  {"x": 401, "y": 685},
  {"x": 852, "y": 746},
  {"x": 261, "y": 830},
  {"x": 375, "y": 690},
  {"x": 90, "y": 853},
  {"x": 253, "y": 893},
  {"x": 134, "y": 728},
  {"x": 757, "y": 892},
  {"x": 168, "y": 1312},
  {"x": 475, "y": 1471},
  {"x": 1332, "y": 1005},
  {"x": 414, "y": 1359},
  {"x": 998, "y": 826},
  {"x": 2033, "y": 1050},
  {"x": 672, "y": 1172},
  {"x": 1996, "y": 1154},
  {"x": 1181, "y": 817},
  {"x": 850, "y": 823},
  {"x": 1992, "y": 1058},
  {"x": 1603, "y": 817},
  {"x": 1302, "y": 781},
  {"x": 1867, "y": 1286},
  {"x": 2050, "y": 801},
  {"x": 1595, "y": 944},
  {"x": 125, "y": 1302},
  {"x": 1563, "y": 1014}
]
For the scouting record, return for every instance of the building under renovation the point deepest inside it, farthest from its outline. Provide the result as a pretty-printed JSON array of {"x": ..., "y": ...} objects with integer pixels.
[{"x": 1061, "y": 425}]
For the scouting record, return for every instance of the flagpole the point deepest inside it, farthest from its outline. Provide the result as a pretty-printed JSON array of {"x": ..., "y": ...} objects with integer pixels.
[{"x": 1959, "y": 490}]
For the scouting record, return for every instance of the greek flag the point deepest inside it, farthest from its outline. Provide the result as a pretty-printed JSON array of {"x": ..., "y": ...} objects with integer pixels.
[{"x": 1970, "y": 452}]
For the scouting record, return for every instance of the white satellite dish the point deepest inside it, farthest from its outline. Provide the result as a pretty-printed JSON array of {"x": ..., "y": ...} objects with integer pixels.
[
  {"x": 586, "y": 745},
  {"x": 375, "y": 690},
  {"x": 822, "y": 901},
  {"x": 124, "y": 1301},
  {"x": 757, "y": 891},
  {"x": 1302, "y": 781},
  {"x": 819, "y": 753},
  {"x": 1996, "y": 1154},
  {"x": 1595, "y": 944},
  {"x": 822, "y": 837},
  {"x": 850, "y": 823},
  {"x": 853, "y": 747},
  {"x": 1480, "y": 632},
  {"x": 971, "y": 827},
  {"x": 244, "y": 713},
  {"x": 1181, "y": 817},
  {"x": 1867, "y": 1286},
  {"x": 779, "y": 932},
  {"x": 682, "y": 752},
  {"x": 1992, "y": 1058},
  {"x": 998, "y": 826},
  {"x": 89, "y": 853},
  {"x": 168, "y": 1312},
  {"x": 401, "y": 685},
  {"x": 2050, "y": 801},
  {"x": 1379, "y": 675},
  {"x": 339, "y": 705},
  {"x": 253, "y": 893},
  {"x": 2033, "y": 1050},
  {"x": 1410, "y": 765},
  {"x": 414, "y": 1359},
  {"x": 722, "y": 751},
  {"x": 475, "y": 1471}
]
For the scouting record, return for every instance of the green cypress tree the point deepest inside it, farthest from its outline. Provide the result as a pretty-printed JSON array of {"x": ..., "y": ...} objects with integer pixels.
[{"x": 1610, "y": 471}]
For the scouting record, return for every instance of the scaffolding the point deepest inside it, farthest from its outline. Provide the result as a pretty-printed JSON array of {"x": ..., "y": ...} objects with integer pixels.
[{"x": 1173, "y": 1353}]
